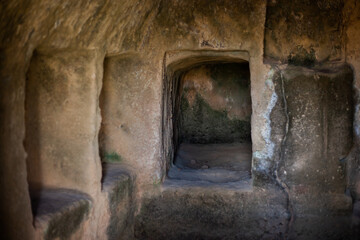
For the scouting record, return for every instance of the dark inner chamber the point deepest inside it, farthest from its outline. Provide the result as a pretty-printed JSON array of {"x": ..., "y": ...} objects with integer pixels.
[{"x": 213, "y": 124}]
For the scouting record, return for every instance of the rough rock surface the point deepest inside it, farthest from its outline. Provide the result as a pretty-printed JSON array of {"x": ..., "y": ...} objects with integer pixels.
[
  {"x": 304, "y": 32},
  {"x": 215, "y": 104},
  {"x": 212, "y": 213},
  {"x": 118, "y": 184},
  {"x": 137, "y": 49},
  {"x": 60, "y": 213},
  {"x": 63, "y": 119}
]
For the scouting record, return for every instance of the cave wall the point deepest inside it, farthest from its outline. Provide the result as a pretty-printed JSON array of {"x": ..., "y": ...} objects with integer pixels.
[
  {"x": 172, "y": 29},
  {"x": 215, "y": 104},
  {"x": 352, "y": 23},
  {"x": 129, "y": 100},
  {"x": 319, "y": 107},
  {"x": 304, "y": 32},
  {"x": 136, "y": 41},
  {"x": 63, "y": 120},
  {"x": 313, "y": 127}
]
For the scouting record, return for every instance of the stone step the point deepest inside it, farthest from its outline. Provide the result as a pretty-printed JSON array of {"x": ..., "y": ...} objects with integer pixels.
[
  {"x": 59, "y": 213},
  {"x": 213, "y": 175},
  {"x": 190, "y": 210}
]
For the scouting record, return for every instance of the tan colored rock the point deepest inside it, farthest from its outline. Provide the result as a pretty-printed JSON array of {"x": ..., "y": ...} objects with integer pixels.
[
  {"x": 141, "y": 45},
  {"x": 63, "y": 120}
]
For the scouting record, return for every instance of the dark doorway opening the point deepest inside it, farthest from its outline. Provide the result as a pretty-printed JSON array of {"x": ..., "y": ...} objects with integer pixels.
[{"x": 212, "y": 123}]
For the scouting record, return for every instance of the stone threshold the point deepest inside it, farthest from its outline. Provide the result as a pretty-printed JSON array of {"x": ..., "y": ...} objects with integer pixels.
[{"x": 242, "y": 186}]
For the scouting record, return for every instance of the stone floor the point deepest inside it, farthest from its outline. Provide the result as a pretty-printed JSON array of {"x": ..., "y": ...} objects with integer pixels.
[{"x": 214, "y": 163}]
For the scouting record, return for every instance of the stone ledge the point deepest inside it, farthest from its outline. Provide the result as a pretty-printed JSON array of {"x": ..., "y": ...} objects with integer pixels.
[
  {"x": 118, "y": 185},
  {"x": 212, "y": 213},
  {"x": 115, "y": 174},
  {"x": 58, "y": 213}
]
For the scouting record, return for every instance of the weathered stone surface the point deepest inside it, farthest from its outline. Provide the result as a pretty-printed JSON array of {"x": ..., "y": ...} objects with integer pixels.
[
  {"x": 330, "y": 226},
  {"x": 62, "y": 120},
  {"x": 235, "y": 156},
  {"x": 208, "y": 213},
  {"x": 215, "y": 163},
  {"x": 304, "y": 32},
  {"x": 312, "y": 126},
  {"x": 352, "y": 14},
  {"x": 142, "y": 43},
  {"x": 118, "y": 184},
  {"x": 179, "y": 61},
  {"x": 60, "y": 213},
  {"x": 215, "y": 104},
  {"x": 319, "y": 107},
  {"x": 127, "y": 104}
]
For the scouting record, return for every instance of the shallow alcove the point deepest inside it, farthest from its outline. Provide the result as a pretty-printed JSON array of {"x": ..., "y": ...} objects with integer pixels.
[
  {"x": 118, "y": 177},
  {"x": 61, "y": 119},
  {"x": 212, "y": 123}
]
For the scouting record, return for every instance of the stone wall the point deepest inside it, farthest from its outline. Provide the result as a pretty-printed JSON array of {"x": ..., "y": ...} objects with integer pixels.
[
  {"x": 55, "y": 56},
  {"x": 304, "y": 32},
  {"x": 215, "y": 104},
  {"x": 63, "y": 119},
  {"x": 352, "y": 23}
]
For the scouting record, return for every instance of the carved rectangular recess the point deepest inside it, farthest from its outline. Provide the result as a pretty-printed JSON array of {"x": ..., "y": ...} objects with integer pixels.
[{"x": 207, "y": 116}]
